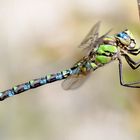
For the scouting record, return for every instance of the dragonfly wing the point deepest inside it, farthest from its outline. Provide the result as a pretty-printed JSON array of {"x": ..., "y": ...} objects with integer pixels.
[
  {"x": 100, "y": 39},
  {"x": 95, "y": 44},
  {"x": 91, "y": 36},
  {"x": 92, "y": 39},
  {"x": 74, "y": 81}
]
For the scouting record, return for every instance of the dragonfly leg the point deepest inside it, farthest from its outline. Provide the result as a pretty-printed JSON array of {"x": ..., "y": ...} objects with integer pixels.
[
  {"x": 135, "y": 51},
  {"x": 134, "y": 65},
  {"x": 132, "y": 84}
]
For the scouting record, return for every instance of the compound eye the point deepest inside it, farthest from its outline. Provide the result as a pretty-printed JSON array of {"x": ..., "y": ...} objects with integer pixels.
[{"x": 123, "y": 35}]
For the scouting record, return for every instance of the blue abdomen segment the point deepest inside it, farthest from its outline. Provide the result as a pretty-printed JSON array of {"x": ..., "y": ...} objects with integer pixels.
[
  {"x": 36, "y": 83},
  {"x": 6, "y": 94},
  {"x": 20, "y": 88}
]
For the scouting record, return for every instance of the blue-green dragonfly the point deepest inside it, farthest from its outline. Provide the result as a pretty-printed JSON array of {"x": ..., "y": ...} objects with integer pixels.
[{"x": 100, "y": 51}]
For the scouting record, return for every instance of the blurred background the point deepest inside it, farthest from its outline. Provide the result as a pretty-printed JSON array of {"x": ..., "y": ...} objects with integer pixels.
[{"x": 41, "y": 36}]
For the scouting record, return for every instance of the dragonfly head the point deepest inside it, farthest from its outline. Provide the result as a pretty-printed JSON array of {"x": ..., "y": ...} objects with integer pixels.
[{"x": 126, "y": 39}]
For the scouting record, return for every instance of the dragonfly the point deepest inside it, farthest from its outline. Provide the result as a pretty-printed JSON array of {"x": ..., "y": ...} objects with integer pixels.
[{"x": 100, "y": 50}]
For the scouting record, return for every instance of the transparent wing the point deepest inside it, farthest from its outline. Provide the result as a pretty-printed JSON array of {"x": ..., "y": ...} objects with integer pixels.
[
  {"x": 92, "y": 39},
  {"x": 91, "y": 36},
  {"x": 74, "y": 81},
  {"x": 100, "y": 39},
  {"x": 95, "y": 44},
  {"x": 138, "y": 2}
]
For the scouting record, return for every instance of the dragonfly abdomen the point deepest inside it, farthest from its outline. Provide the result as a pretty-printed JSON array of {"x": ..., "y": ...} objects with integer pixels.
[{"x": 36, "y": 83}]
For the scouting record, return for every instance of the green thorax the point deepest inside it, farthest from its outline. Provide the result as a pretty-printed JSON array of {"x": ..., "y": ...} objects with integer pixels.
[{"x": 106, "y": 50}]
